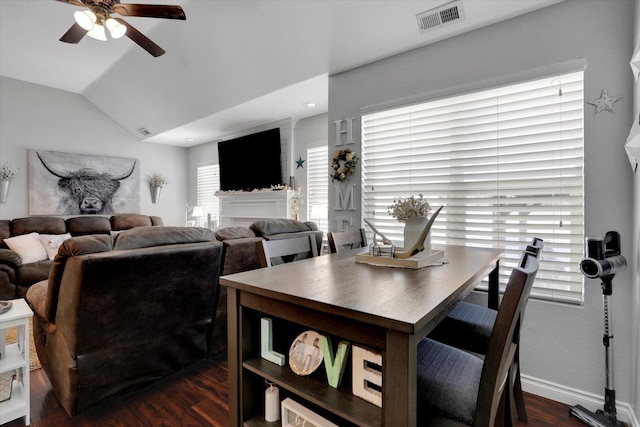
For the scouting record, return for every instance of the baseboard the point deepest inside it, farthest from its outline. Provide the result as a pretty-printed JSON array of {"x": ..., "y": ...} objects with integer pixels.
[{"x": 570, "y": 396}]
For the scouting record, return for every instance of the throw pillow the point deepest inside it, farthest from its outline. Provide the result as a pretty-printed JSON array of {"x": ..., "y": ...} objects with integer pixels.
[
  {"x": 52, "y": 242},
  {"x": 28, "y": 246}
]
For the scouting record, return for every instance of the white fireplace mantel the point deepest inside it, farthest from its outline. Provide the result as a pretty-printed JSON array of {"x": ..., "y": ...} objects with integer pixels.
[{"x": 242, "y": 209}]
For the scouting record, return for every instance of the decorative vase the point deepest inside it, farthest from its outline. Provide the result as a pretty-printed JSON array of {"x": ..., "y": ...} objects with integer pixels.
[
  {"x": 155, "y": 194},
  {"x": 413, "y": 227},
  {"x": 4, "y": 190}
]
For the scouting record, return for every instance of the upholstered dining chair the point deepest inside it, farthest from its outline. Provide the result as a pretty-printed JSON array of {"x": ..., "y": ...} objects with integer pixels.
[
  {"x": 273, "y": 252},
  {"x": 456, "y": 387},
  {"x": 340, "y": 241},
  {"x": 468, "y": 326}
]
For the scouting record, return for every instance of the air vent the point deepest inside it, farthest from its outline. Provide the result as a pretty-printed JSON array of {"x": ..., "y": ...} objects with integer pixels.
[
  {"x": 144, "y": 132},
  {"x": 439, "y": 16}
]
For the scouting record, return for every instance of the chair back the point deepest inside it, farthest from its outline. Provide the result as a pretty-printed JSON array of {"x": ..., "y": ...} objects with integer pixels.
[
  {"x": 503, "y": 343},
  {"x": 287, "y": 250},
  {"x": 340, "y": 241}
]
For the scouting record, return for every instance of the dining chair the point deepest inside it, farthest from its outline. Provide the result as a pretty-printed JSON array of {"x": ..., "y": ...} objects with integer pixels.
[
  {"x": 340, "y": 241},
  {"x": 456, "y": 387},
  {"x": 468, "y": 326},
  {"x": 273, "y": 252}
]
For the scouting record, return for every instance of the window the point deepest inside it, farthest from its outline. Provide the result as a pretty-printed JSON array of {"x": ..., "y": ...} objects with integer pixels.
[
  {"x": 318, "y": 186},
  {"x": 208, "y": 182},
  {"x": 506, "y": 163}
]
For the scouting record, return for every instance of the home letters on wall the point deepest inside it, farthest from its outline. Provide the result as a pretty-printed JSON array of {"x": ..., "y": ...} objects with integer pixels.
[{"x": 71, "y": 184}]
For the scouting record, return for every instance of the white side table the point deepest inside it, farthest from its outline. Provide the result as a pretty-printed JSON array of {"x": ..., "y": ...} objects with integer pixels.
[{"x": 15, "y": 357}]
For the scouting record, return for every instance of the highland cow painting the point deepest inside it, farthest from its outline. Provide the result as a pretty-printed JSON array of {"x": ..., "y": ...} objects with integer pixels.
[{"x": 79, "y": 184}]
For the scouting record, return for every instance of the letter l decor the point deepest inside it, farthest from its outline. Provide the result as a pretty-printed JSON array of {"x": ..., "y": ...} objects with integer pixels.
[{"x": 266, "y": 343}]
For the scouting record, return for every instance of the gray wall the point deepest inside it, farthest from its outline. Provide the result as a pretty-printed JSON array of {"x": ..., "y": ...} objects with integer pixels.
[
  {"x": 38, "y": 117},
  {"x": 562, "y": 352}
]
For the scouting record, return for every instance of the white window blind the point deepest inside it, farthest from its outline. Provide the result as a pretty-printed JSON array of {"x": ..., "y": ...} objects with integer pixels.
[
  {"x": 208, "y": 182},
  {"x": 506, "y": 163},
  {"x": 318, "y": 186}
]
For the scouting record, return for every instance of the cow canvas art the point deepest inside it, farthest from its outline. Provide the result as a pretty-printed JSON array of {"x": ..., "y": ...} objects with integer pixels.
[{"x": 79, "y": 184}]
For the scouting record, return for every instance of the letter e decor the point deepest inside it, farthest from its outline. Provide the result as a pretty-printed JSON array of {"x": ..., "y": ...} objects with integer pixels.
[
  {"x": 266, "y": 343},
  {"x": 367, "y": 375},
  {"x": 334, "y": 365}
]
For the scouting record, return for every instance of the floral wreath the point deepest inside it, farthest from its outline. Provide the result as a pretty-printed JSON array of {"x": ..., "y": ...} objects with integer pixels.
[{"x": 344, "y": 163}]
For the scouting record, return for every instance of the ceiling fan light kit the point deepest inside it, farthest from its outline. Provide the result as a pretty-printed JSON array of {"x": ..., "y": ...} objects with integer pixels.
[
  {"x": 115, "y": 28},
  {"x": 91, "y": 21},
  {"x": 97, "y": 32},
  {"x": 85, "y": 18}
]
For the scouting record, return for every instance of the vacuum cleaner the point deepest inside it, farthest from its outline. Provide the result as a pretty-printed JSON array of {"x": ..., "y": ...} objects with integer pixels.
[{"x": 603, "y": 261}]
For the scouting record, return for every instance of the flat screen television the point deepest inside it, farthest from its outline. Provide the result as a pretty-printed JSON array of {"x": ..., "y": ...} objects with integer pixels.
[{"x": 250, "y": 162}]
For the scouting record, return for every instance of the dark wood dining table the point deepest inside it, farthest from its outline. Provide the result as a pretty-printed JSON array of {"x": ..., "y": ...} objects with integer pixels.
[{"x": 385, "y": 309}]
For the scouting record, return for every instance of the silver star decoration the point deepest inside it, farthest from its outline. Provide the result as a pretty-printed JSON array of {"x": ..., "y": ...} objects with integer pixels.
[{"x": 605, "y": 102}]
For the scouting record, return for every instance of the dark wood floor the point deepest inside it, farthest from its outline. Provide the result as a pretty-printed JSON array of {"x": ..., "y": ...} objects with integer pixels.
[{"x": 195, "y": 398}]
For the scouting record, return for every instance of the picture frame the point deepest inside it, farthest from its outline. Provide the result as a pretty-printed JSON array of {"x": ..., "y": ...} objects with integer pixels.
[{"x": 296, "y": 415}]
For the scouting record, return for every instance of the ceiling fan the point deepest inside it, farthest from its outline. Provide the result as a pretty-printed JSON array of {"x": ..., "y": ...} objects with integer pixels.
[{"x": 97, "y": 15}]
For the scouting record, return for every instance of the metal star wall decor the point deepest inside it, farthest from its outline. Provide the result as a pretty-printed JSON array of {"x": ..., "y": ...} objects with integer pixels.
[
  {"x": 605, "y": 102},
  {"x": 300, "y": 162}
]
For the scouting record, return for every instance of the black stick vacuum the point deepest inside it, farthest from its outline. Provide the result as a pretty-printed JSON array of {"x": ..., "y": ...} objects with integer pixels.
[{"x": 603, "y": 261}]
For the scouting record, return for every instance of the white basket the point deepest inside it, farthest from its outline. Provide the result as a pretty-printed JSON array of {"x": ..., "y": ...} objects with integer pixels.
[{"x": 6, "y": 382}]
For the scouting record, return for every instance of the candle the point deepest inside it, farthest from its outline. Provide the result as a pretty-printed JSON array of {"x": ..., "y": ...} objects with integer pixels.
[{"x": 272, "y": 404}]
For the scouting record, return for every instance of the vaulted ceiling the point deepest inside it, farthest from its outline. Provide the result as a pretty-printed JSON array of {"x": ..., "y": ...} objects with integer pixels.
[{"x": 231, "y": 65}]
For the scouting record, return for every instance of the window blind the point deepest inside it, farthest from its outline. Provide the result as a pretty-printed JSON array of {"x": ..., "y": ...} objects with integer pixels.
[
  {"x": 506, "y": 163},
  {"x": 208, "y": 182},
  {"x": 318, "y": 186}
]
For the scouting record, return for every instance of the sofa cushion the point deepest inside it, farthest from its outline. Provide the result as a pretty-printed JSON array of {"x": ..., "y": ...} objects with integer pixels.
[
  {"x": 145, "y": 237},
  {"x": 234, "y": 233},
  {"x": 51, "y": 243},
  {"x": 5, "y": 231},
  {"x": 127, "y": 221},
  {"x": 92, "y": 224},
  {"x": 28, "y": 246},
  {"x": 38, "y": 224},
  {"x": 269, "y": 227}
]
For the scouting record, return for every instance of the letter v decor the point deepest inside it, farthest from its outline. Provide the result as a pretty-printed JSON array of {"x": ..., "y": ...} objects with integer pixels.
[{"x": 334, "y": 365}]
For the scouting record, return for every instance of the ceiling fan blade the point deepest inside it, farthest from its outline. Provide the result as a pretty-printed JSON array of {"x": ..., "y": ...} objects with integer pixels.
[
  {"x": 73, "y": 2},
  {"x": 141, "y": 39},
  {"x": 149, "y": 10},
  {"x": 74, "y": 34}
]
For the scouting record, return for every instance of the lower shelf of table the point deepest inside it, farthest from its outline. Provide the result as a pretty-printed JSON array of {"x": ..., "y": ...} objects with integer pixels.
[
  {"x": 315, "y": 390},
  {"x": 15, "y": 407}
]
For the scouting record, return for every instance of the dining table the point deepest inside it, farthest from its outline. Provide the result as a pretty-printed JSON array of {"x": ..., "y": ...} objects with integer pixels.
[{"x": 386, "y": 310}]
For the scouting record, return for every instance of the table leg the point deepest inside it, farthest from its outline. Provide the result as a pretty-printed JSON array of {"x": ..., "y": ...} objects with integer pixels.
[
  {"x": 233, "y": 357},
  {"x": 399, "y": 380}
]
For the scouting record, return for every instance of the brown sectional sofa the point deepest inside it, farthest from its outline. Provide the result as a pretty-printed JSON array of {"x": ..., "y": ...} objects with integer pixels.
[
  {"x": 16, "y": 276},
  {"x": 139, "y": 281},
  {"x": 121, "y": 311}
]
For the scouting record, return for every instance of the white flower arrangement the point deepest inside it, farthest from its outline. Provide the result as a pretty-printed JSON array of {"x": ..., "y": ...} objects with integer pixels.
[
  {"x": 7, "y": 173},
  {"x": 408, "y": 208}
]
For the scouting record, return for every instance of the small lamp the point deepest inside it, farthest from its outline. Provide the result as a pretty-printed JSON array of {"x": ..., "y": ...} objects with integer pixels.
[
  {"x": 196, "y": 213},
  {"x": 318, "y": 212}
]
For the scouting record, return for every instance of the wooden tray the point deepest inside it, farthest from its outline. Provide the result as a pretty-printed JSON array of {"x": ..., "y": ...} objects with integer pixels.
[{"x": 415, "y": 262}]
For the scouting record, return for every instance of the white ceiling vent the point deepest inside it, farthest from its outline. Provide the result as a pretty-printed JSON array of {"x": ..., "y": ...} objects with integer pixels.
[{"x": 439, "y": 16}]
